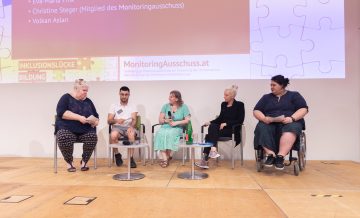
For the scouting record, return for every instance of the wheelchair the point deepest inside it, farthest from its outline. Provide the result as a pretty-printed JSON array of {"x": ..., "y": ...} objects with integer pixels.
[{"x": 298, "y": 162}]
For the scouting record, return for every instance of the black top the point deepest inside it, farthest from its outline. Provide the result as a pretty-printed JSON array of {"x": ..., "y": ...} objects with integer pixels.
[
  {"x": 231, "y": 115},
  {"x": 272, "y": 106},
  {"x": 82, "y": 107}
]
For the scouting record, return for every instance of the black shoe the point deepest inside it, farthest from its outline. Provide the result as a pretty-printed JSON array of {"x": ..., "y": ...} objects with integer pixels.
[
  {"x": 118, "y": 159},
  {"x": 132, "y": 163},
  {"x": 279, "y": 162},
  {"x": 84, "y": 168},
  {"x": 269, "y": 160}
]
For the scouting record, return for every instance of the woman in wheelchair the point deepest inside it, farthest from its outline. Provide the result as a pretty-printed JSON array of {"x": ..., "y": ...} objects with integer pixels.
[
  {"x": 173, "y": 116},
  {"x": 280, "y": 114}
]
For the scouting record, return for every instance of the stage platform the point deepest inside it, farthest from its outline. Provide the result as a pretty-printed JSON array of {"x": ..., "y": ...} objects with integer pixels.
[{"x": 324, "y": 189}]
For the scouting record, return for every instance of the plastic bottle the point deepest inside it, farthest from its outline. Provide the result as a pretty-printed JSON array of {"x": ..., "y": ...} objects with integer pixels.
[{"x": 189, "y": 131}]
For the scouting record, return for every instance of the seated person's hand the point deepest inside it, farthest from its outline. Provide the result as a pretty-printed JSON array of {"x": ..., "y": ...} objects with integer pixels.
[
  {"x": 83, "y": 120},
  {"x": 287, "y": 120},
  {"x": 119, "y": 121},
  {"x": 92, "y": 120},
  {"x": 167, "y": 120},
  {"x": 222, "y": 125},
  {"x": 173, "y": 123},
  {"x": 95, "y": 123}
]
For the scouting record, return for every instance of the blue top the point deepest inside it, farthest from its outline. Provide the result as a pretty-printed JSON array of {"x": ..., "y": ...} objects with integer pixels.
[
  {"x": 272, "y": 106},
  {"x": 82, "y": 107}
]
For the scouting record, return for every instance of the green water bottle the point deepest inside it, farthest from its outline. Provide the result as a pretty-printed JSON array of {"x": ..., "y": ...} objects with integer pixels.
[{"x": 189, "y": 131}]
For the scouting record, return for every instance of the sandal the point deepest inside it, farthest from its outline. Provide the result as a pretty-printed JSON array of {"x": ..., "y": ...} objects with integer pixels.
[
  {"x": 84, "y": 168},
  {"x": 164, "y": 163},
  {"x": 71, "y": 169}
]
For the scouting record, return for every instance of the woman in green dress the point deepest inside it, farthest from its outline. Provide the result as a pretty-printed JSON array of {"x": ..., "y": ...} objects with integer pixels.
[{"x": 173, "y": 117}]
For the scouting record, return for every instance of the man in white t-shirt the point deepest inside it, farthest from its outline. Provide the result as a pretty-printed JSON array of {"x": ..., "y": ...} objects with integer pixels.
[{"x": 122, "y": 117}]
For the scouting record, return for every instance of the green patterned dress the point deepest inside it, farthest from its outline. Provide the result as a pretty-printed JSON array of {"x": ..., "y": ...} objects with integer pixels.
[{"x": 168, "y": 137}]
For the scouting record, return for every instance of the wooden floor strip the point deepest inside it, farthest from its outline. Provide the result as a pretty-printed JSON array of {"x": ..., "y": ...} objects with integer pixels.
[{"x": 321, "y": 190}]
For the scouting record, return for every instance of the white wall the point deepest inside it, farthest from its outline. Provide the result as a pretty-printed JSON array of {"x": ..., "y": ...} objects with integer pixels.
[{"x": 333, "y": 124}]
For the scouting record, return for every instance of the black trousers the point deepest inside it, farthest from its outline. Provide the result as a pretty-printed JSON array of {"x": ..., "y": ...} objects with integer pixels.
[
  {"x": 214, "y": 133},
  {"x": 66, "y": 140}
]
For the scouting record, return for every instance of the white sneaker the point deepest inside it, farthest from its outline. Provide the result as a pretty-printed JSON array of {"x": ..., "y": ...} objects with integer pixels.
[
  {"x": 214, "y": 154},
  {"x": 202, "y": 164}
]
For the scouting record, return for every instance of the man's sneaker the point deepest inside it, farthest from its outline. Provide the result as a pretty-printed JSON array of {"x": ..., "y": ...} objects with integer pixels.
[
  {"x": 269, "y": 160},
  {"x": 214, "y": 154},
  {"x": 202, "y": 164},
  {"x": 279, "y": 162},
  {"x": 132, "y": 163},
  {"x": 118, "y": 159}
]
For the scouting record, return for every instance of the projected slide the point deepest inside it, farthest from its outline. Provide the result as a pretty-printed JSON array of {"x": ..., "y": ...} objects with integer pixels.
[{"x": 130, "y": 40}]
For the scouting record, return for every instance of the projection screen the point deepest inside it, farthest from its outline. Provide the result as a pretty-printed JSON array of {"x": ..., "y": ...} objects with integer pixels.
[{"x": 142, "y": 40}]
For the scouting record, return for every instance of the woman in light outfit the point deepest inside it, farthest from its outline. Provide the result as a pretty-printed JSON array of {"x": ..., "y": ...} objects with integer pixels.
[{"x": 173, "y": 117}]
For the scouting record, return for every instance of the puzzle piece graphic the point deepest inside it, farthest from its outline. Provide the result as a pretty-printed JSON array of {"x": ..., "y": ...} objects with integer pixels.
[
  {"x": 4, "y": 37},
  {"x": 84, "y": 63},
  {"x": 325, "y": 50},
  {"x": 283, "y": 68},
  {"x": 256, "y": 13},
  {"x": 4, "y": 52},
  {"x": 337, "y": 70},
  {"x": 315, "y": 10},
  {"x": 278, "y": 11},
  {"x": 255, "y": 57},
  {"x": 273, "y": 45},
  {"x": 2, "y": 11},
  {"x": 303, "y": 37},
  {"x": 59, "y": 75}
]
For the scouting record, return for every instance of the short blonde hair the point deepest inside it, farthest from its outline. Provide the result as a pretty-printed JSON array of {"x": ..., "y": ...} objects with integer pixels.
[
  {"x": 80, "y": 83},
  {"x": 233, "y": 90}
]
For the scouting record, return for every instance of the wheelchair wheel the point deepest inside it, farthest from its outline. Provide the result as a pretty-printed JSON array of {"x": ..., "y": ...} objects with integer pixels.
[
  {"x": 296, "y": 168},
  {"x": 258, "y": 158},
  {"x": 302, "y": 151},
  {"x": 259, "y": 166}
]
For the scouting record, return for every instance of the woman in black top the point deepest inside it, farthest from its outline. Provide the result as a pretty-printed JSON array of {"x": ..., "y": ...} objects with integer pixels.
[
  {"x": 76, "y": 121},
  {"x": 280, "y": 114},
  {"x": 232, "y": 112}
]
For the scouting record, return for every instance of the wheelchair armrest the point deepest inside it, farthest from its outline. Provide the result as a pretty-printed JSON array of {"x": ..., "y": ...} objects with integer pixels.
[{"x": 153, "y": 127}]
